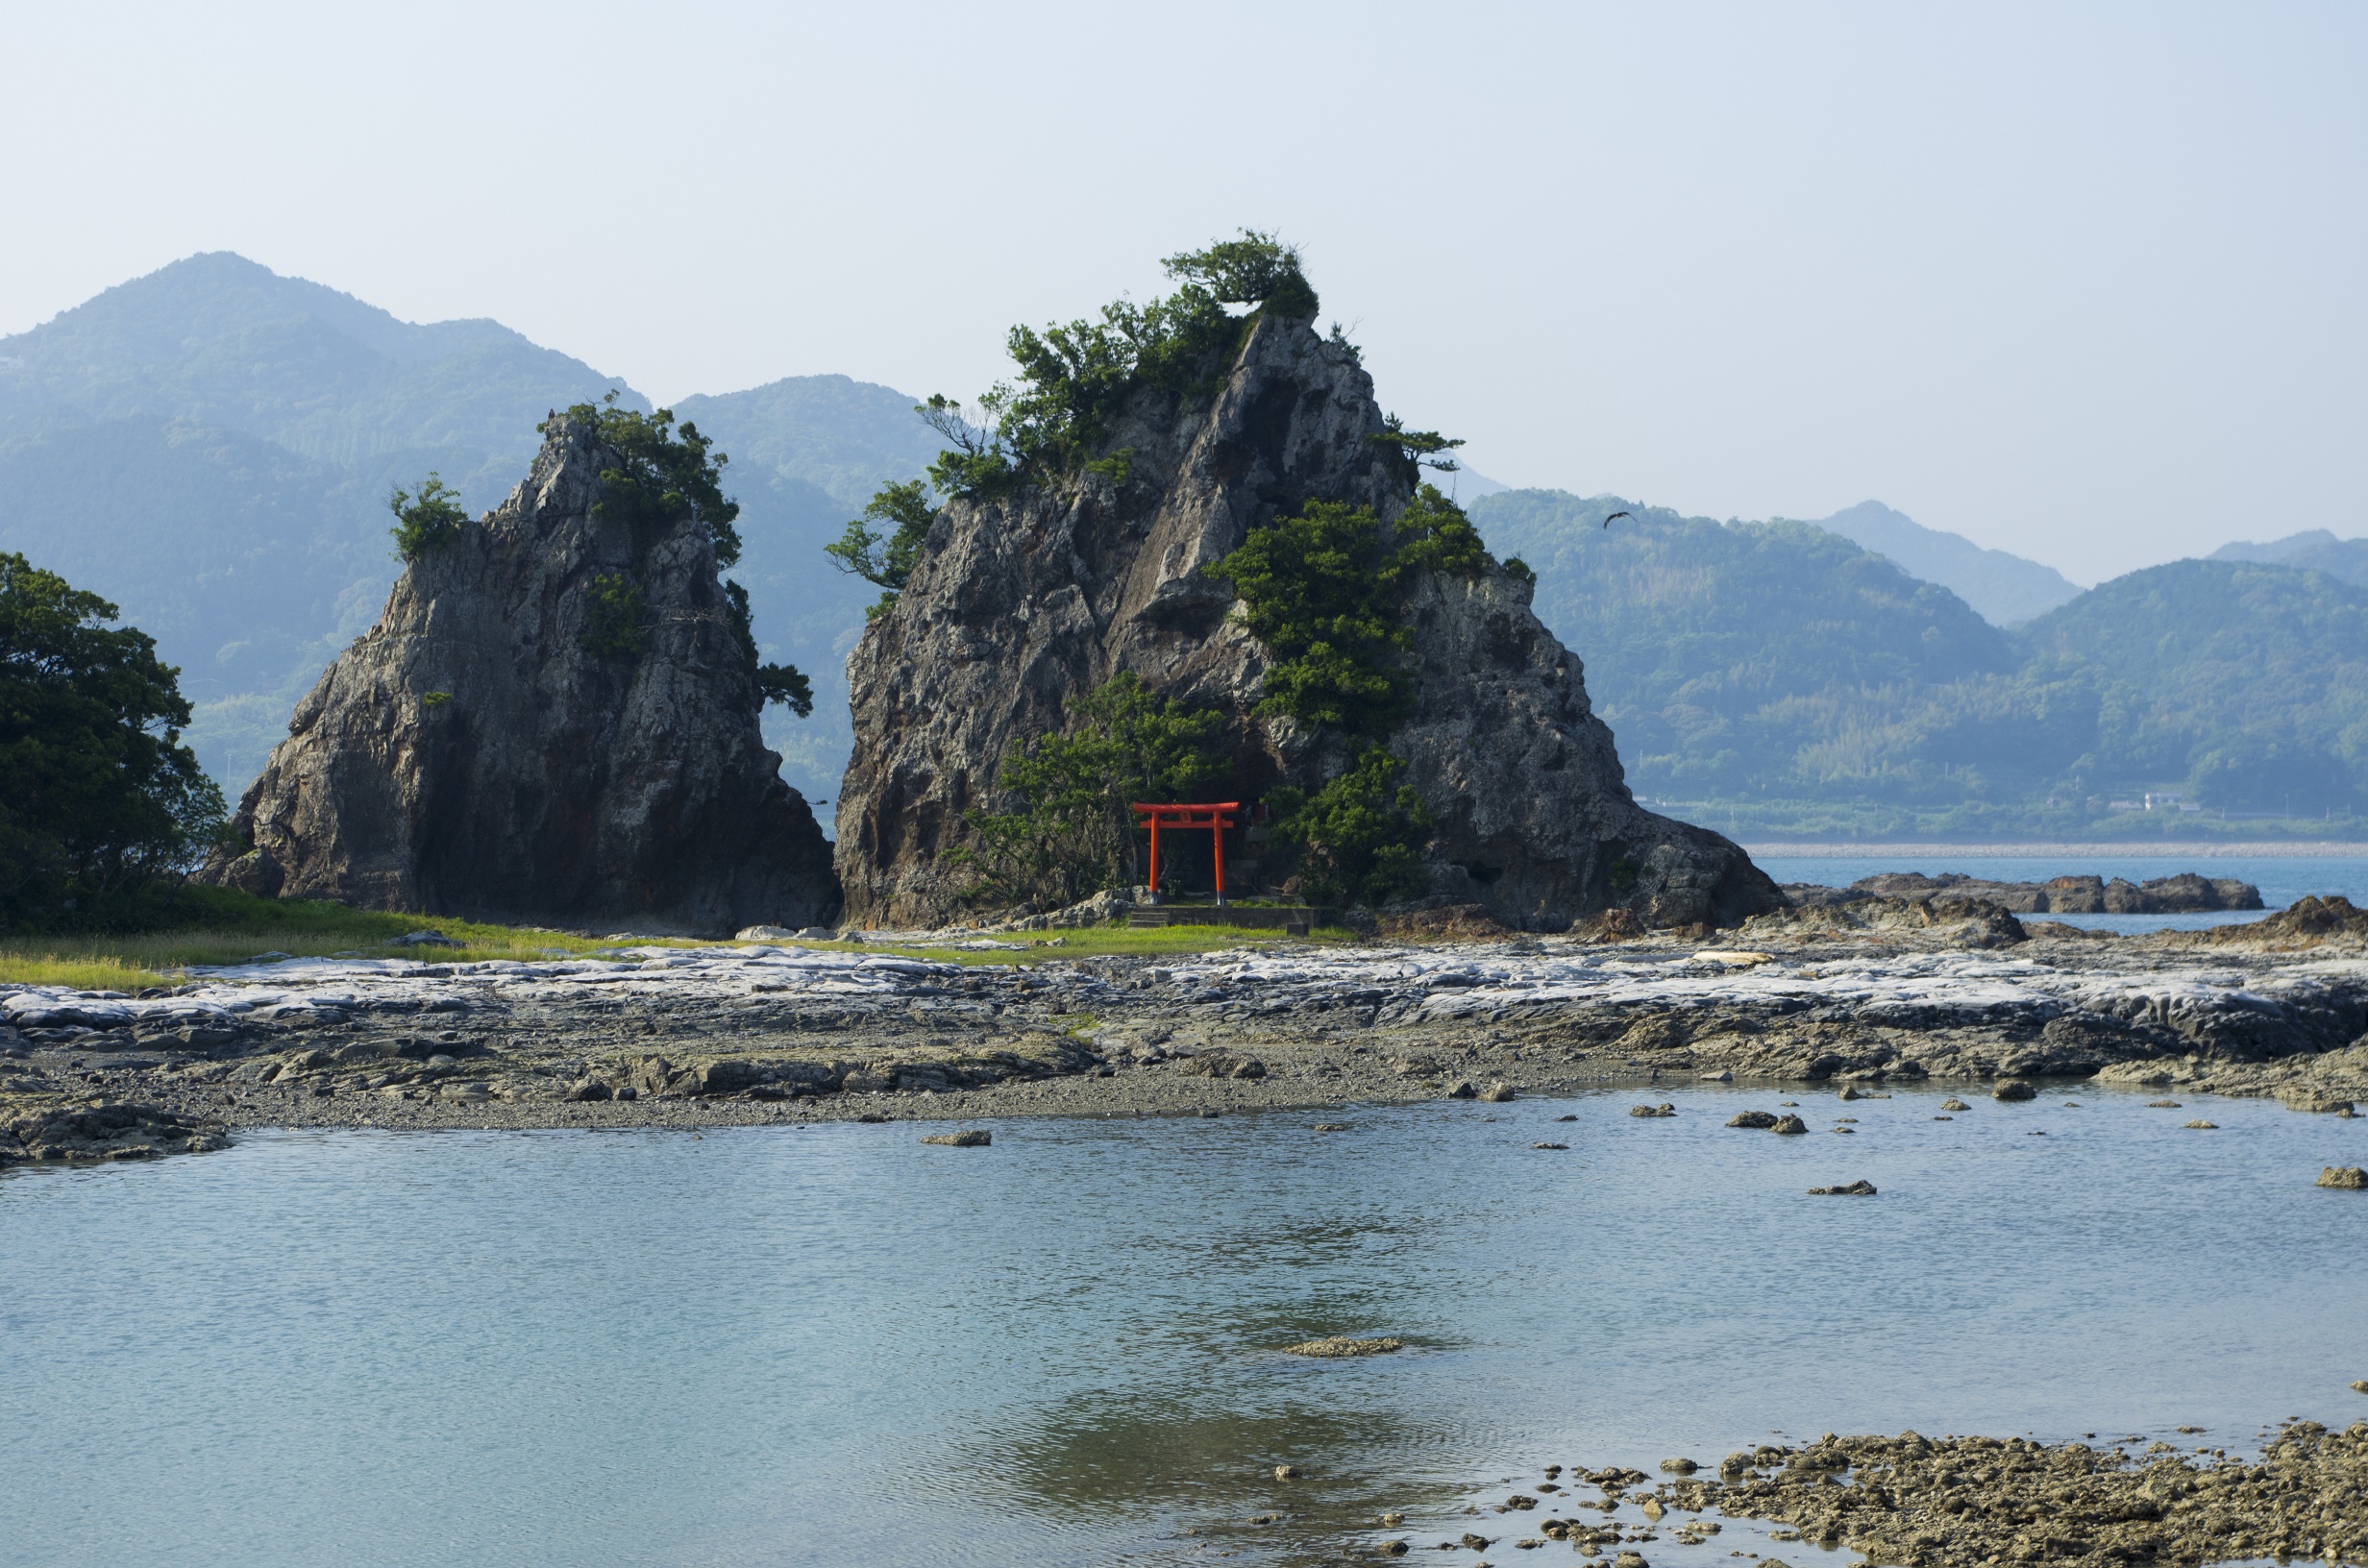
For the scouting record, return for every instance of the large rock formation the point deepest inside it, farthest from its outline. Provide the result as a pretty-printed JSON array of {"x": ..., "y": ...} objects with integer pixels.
[
  {"x": 471, "y": 756},
  {"x": 1018, "y": 606}
]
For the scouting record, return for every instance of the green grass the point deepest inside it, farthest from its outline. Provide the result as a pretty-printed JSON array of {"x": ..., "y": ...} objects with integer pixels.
[
  {"x": 223, "y": 927},
  {"x": 1099, "y": 942}
]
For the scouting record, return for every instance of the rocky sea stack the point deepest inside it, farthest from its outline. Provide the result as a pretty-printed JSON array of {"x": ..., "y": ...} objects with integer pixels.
[
  {"x": 1026, "y": 598},
  {"x": 553, "y": 722}
]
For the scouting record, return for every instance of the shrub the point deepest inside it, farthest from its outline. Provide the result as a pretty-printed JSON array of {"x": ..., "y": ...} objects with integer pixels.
[
  {"x": 783, "y": 683},
  {"x": 1076, "y": 380},
  {"x": 1321, "y": 590},
  {"x": 661, "y": 478},
  {"x": 1359, "y": 838},
  {"x": 429, "y": 521},
  {"x": 98, "y": 796},
  {"x": 1069, "y": 834},
  {"x": 887, "y": 561},
  {"x": 613, "y": 617}
]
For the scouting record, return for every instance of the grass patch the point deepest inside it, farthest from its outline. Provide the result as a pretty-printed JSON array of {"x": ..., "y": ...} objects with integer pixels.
[
  {"x": 224, "y": 927},
  {"x": 1099, "y": 942},
  {"x": 85, "y": 973},
  {"x": 220, "y": 926}
]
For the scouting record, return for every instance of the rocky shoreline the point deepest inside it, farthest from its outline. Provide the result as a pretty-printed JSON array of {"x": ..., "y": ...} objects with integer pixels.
[
  {"x": 664, "y": 1037},
  {"x": 1922, "y": 1503}
]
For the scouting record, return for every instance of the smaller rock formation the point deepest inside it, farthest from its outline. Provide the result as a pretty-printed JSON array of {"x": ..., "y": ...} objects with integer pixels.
[{"x": 553, "y": 722}]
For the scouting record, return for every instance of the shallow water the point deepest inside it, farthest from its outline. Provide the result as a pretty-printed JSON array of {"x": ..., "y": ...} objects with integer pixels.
[
  {"x": 786, "y": 1345},
  {"x": 2281, "y": 878}
]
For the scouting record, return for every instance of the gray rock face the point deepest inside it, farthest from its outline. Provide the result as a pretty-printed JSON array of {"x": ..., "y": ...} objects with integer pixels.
[
  {"x": 1018, "y": 606},
  {"x": 470, "y": 756}
]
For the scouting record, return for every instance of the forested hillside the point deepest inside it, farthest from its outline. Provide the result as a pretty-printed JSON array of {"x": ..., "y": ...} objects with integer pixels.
[
  {"x": 1779, "y": 665},
  {"x": 2317, "y": 550}
]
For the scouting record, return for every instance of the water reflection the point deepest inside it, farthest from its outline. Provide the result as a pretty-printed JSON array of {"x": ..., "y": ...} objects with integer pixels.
[
  {"x": 768, "y": 1346},
  {"x": 1165, "y": 1466}
]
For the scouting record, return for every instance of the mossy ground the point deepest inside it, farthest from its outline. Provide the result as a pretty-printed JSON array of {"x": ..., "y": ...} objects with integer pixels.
[{"x": 218, "y": 926}]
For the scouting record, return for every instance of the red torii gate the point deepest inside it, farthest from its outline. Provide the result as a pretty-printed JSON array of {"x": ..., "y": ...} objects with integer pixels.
[{"x": 1215, "y": 817}]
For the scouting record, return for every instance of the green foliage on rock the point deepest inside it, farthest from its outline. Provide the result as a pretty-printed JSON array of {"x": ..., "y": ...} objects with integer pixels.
[
  {"x": 1074, "y": 380},
  {"x": 1322, "y": 589},
  {"x": 616, "y": 618},
  {"x": 98, "y": 796},
  {"x": 661, "y": 478},
  {"x": 1419, "y": 449},
  {"x": 886, "y": 561},
  {"x": 428, "y": 521},
  {"x": 783, "y": 683},
  {"x": 1068, "y": 834},
  {"x": 1359, "y": 838}
]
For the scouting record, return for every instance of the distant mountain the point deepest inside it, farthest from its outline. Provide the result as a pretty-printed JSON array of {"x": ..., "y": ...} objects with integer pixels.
[
  {"x": 1720, "y": 652},
  {"x": 2248, "y": 680},
  {"x": 2317, "y": 550},
  {"x": 2006, "y": 589},
  {"x": 212, "y": 447},
  {"x": 1772, "y": 662}
]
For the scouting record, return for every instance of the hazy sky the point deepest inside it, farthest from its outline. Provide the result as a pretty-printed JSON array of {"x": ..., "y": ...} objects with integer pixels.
[{"x": 2081, "y": 282}]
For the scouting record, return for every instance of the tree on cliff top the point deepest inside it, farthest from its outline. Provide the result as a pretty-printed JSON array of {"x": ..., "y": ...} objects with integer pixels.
[
  {"x": 662, "y": 479},
  {"x": 97, "y": 794},
  {"x": 1074, "y": 380}
]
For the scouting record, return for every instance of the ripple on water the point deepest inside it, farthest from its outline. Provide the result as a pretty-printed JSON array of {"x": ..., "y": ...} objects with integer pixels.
[{"x": 782, "y": 1345}]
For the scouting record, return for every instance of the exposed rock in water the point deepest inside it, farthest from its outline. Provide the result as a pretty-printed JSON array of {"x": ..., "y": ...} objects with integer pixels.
[
  {"x": 1339, "y": 1345},
  {"x": 2348, "y": 1178},
  {"x": 2186, "y": 893},
  {"x": 973, "y": 1138},
  {"x": 1934, "y": 1503},
  {"x": 1021, "y": 605},
  {"x": 470, "y": 755}
]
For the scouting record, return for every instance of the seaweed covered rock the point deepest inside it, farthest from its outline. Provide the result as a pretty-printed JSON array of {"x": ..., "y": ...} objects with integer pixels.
[
  {"x": 555, "y": 721},
  {"x": 1025, "y": 598}
]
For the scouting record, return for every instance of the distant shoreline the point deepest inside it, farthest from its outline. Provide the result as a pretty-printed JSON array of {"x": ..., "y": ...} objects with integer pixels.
[{"x": 2156, "y": 849}]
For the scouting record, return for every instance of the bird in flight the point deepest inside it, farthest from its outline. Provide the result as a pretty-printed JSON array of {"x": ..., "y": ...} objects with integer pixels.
[{"x": 1607, "y": 521}]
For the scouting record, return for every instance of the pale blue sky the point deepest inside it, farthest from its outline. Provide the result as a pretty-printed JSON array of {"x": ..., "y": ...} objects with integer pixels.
[{"x": 2079, "y": 281}]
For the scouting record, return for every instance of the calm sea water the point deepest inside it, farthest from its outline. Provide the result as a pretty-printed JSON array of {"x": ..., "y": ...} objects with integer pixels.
[
  {"x": 833, "y": 1346},
  {"x": 2281, "y": 878}
]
